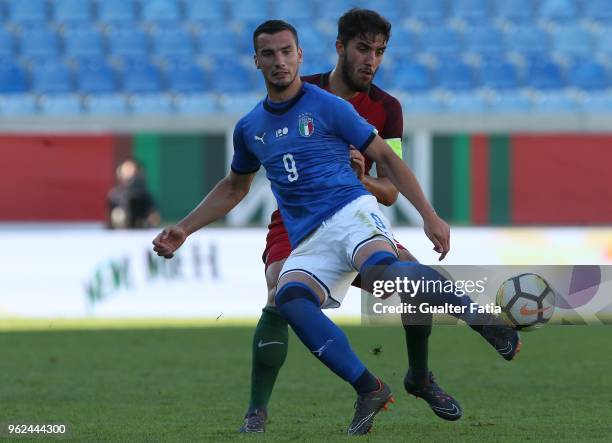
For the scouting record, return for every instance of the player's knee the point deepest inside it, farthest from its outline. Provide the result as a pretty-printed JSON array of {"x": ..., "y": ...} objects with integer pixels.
[
  {"x": 405, "y": 255},
  {"x": 292, "y": 291}
]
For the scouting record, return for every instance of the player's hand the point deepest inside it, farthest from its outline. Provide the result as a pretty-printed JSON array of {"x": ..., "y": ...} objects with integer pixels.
[
  {"x": 169, "y": 240},
  {"x": 357, "y": 162},
  {"x": 438, "y": 231}
]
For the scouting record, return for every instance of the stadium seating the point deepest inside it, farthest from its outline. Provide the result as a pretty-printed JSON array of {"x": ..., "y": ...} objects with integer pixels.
[
  {"x": 30, "y": 12},
  {"x": 83, "y": 42},
  {"x": 71, "y": 11},
  {"x": 7, "y": 44},
  {"x": 41, "y": 43},
  {"x": 96, "y": 77},
  {"x": 104, "y": 54},
  {"x": 51, "y": 77},
  {"x": 13, "y": 77},
  {"x": 173, "y": 41},
  {"x": 18, "y": 105},
  {"x": 210, "y": 11}
]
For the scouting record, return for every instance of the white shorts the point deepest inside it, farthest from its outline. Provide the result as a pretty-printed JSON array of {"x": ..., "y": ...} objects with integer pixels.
[{"x": 327, "y": 254}]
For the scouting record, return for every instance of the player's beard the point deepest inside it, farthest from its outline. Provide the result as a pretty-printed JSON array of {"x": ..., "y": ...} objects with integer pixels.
[
  {"x": 280, "y": 87},
  {"x": 348, "y": 71}
]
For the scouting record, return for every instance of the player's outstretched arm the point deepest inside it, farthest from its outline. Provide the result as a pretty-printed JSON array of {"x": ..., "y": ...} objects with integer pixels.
[
  {"x": 221, "y": 200},
  {"x": 405, "y": 181}
]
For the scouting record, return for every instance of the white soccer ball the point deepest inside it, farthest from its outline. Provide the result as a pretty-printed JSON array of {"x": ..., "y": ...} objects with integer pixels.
[{"x": 527, "y": 301}]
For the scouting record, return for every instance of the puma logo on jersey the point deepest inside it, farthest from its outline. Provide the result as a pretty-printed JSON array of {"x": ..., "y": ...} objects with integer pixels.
[{"x": 260, "y": 138}]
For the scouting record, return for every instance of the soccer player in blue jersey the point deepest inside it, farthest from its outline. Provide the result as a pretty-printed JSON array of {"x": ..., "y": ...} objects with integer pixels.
[{"x": 301, "y": 135}]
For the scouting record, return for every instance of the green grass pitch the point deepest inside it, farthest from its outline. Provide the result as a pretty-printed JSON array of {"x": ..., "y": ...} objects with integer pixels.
[{"x": 189, "y": 382}]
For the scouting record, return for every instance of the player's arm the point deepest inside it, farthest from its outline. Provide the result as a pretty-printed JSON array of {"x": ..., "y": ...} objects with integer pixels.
[
  {"x": 222, "y": 199},
  {"x": 405, "y": 181},
  {"x": 380, "y": 186}
]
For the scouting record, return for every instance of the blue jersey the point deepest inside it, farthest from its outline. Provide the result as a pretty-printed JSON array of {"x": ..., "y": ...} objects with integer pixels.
[{"x": 304, "y": 146}]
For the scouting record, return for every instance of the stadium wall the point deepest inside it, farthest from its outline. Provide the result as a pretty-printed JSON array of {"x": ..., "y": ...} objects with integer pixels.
[{"x": 476, "y": 179}]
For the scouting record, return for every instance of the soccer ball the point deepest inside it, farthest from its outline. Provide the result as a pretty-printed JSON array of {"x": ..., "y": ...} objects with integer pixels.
[{"x": 527, "y": 301}]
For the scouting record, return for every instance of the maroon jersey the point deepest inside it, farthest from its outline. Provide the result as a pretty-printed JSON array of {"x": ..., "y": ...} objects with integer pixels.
[{"x": 381, "y": 110}]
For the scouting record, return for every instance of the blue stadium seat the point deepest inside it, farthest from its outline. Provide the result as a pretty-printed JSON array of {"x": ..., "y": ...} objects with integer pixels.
[
  {"x": 598, "y": 10},
  {"x": 209, "y": 11},
  {"x": 467, "y": 103},
  {"x": 486, "y": 41},
  {"x": 186, "y": 77},
  {"x": 39, "y": 43},
  {"x": 455, "y": 77},
  {"x": 254, "y": 10},
  {"x": 428, "y": 12},
  {"x": 197, "y": 104},
  {"x": 72, "y": 11},
  {"x": 515, "y": 11},
  {"x": 572, "y": 40},
  {"x": 558, "y": 10},
  {"x": 403, "y": 43},
  {"x": 474, "y": 12},
  {"x": 235, "y": 79},
  {"x": 392, "y": 10},
  {"x": 218, "y": 42},
  {"x": 160, "y": 11},
  {"x": 597, "y": 103},
  {"x": 528, "y": 40},
  {"x": 239, "y": 103},
  {"x": 96, "y": 77},
  {"x": 116, "y": 11},
  {"x": 51, "y": 77},
  {"x": 499, "y": 75},
  {"x": 83, "y": 42},
  {"x": 13, "y": 77},
  {"x": 313, "y": 41},
  {"x": 332, "y": 11},
  {"x": 171, "y": 41},
  {"x": 554, "y": 102},
  {"x": 141, "y": 77},
  {"x": 27, "y": 11},
  {"x": 17, "y": 105},
  {"x": 604, "y": 42},
  {"x": 296, "y": 12},
  {"x": 422, "y": 103},
  {"x": 441, "y": 42},
  {"x": 510, "y": 102},
  {"x": 151, "y": 104},
  {"x": 588, "y": 75},
  {"x": 127, "y": 42},
  {"x": 7, "y": 44},
  {"x": 60, "y": 104},
  {"x": 106, "y": 105},
  {"x": 544, "y": 74},
  {"x": 411, "y": 77}
]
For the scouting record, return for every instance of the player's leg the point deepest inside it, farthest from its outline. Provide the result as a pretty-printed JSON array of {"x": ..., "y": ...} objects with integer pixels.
[
  {"x": 417, "y": 329},
  {"x": 269, "y": 351},
  {"x": 377, "y": 261},
  {"x": 299, "y": 298}
]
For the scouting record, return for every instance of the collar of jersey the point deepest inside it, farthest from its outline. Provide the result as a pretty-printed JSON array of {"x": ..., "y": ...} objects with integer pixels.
[{"x": 282, "y": 107}]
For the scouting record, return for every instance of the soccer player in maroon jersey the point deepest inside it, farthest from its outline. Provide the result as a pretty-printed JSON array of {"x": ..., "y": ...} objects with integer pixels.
[{"x": 362, "y": 39}]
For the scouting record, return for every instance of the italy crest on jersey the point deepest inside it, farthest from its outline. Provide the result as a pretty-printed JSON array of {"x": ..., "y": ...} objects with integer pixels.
[{"x": 306, "y": 125}]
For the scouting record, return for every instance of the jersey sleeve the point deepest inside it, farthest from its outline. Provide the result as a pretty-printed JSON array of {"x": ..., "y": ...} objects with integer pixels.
[
  {"x": 394, "y": 125},
  {"x": 351, "y": 126},
  {"x": 243, "y": 162}
]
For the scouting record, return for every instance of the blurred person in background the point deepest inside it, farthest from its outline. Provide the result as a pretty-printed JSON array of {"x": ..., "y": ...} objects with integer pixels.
[{"x": 130, "y": 204}]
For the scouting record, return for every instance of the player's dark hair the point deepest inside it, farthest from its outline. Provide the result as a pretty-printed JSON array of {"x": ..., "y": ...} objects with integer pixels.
[
  {"x": 362, "y": 23},
  {"x": 272, "y": 27}
]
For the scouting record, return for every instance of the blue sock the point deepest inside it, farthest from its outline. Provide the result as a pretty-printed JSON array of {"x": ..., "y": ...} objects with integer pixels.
[
  {"x": 384, "y": 265},
  {"x": 300, "y": 307}
]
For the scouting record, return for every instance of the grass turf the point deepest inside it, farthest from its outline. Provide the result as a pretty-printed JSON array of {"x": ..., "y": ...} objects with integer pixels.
[{"x": 191, "y": 384}]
